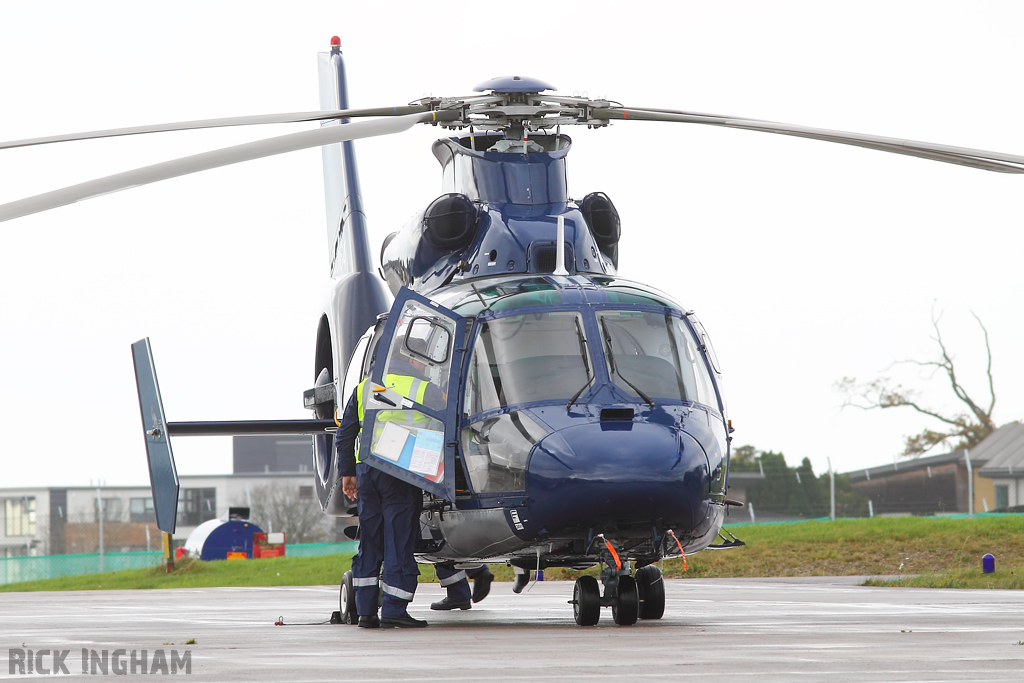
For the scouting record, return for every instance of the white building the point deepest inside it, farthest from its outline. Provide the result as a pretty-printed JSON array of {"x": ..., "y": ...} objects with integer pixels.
[{"x": 59, "y": 521}]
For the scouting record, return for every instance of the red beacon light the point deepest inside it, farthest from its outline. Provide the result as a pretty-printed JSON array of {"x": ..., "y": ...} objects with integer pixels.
[{"x": 335, "y": 41}]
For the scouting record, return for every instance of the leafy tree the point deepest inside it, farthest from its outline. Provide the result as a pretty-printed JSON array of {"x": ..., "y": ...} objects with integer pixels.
[
  {"x": 796, "y": 491},
  {"x": 743, "y": 459},
  {"x": 964, "y": 429}
]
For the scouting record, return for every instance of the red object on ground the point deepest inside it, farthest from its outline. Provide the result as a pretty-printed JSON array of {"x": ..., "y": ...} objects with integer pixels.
[
  {"x": 180, "y": 552},
  {"x": 261, "y": 548}
]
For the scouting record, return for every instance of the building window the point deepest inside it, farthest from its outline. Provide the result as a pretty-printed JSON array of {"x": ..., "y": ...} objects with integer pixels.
[
  {"x": 196, "y": 506},
  {"x": 1002, "y": 497},
  {"x": 141, "y": 510},
  {"x": 111, "y": 509},
  {"x": 20, "y": 515},
  {"x": 305, "y": 492}
]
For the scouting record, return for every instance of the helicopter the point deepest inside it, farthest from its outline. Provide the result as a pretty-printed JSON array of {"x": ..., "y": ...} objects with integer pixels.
[{"x": 585, "y": 420}]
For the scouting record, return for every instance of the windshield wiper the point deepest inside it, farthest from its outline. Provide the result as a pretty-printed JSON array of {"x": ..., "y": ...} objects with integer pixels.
[
  {"x": 586, "y": 364},
  {"x": 615, "y": 367}
]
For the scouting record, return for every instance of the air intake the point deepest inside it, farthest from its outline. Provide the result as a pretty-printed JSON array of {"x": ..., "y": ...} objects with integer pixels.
[{"x": 449, "y": 222}]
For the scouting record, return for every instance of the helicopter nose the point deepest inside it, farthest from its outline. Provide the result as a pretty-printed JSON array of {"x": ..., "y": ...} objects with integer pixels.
[{"x": 616, "y": 475}]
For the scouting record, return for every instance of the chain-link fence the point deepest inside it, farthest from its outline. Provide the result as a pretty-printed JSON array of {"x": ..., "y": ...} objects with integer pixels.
[
  {"x": 33, "y": 568},
  {"x": 111, "y": 531}
]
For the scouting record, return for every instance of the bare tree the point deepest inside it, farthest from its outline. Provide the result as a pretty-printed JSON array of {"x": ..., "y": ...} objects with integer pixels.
[
  {"x": 278, "y": 506},
  {"x": 960, "y": 430}
]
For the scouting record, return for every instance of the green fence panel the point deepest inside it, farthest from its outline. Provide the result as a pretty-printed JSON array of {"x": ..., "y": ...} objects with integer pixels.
[
  {"x": 17, "y": 569},
  {"x": 317, "y": 549}
]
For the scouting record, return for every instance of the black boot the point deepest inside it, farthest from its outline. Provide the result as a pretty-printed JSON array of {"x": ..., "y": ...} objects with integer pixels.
[
  {"x": 404, "y": 621},
  {"x": 521, "y": 581},
  {"x": 369, "y": 621},
  {"x": 482, "y": 585},
  {"x": 448, "y": 604}
]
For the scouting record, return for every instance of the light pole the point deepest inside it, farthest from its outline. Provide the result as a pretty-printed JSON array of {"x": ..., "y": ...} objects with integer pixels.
[
  {"x": 832, "y": 486},
  {"x": 970, "y": 484}
]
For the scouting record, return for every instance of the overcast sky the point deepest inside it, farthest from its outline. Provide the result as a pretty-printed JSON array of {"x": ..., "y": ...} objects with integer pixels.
[{"x": 806, "y": 261}]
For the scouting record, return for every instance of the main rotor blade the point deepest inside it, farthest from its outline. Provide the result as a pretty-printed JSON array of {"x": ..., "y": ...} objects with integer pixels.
[
  {"x": 216, "y": 158},
  {"x": 258, "y": 119},
  {"x": 963, "y": 156}
]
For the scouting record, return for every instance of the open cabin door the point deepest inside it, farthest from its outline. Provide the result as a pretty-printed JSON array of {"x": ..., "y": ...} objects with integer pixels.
[{"x": 410, "y": 411}]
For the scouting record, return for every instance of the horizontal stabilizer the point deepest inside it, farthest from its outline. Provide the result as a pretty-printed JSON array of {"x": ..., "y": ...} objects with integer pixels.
[{"x": 240, "y": 427}]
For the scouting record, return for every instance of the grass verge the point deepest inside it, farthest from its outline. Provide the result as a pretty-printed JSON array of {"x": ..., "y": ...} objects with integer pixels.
[
  {"x": 940, "y": 552},
  {"x": 275, "y": 571},
  {"x": 1011, "y": 578}
]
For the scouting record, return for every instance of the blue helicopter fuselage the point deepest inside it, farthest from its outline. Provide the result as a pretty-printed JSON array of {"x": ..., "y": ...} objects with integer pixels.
[{"x": 568, "y": 447}]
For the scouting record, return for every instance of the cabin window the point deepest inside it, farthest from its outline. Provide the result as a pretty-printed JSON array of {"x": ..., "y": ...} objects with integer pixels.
[
  {"x": 526, "y": 358},
  {"x": 421, "y": 349},
  {"x": 352, "y": 375},
  {"x": 654, "y": 355},
  {"x": 496, "y": 450}
]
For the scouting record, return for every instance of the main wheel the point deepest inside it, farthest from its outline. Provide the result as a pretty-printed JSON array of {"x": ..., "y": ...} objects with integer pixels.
[
  {"x": 347, "y": 601},
  {"x": 626, "y": 603},
  {"x": 651, "y": 588},
  {"x": 586, "y": 601}
]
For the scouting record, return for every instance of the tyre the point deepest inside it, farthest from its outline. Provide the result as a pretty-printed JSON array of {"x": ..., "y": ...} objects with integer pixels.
[
  {"x": 586, "y": 601},
  {"x": 626, "y": 603},
  {"x": 347, "y": 601},
  {"x": 651, "y": 588}
]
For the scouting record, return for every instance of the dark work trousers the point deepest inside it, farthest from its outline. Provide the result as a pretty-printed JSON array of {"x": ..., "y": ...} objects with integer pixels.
[
  {"x": 456, "y": 582},
  {"x": 389, "y": 524}
]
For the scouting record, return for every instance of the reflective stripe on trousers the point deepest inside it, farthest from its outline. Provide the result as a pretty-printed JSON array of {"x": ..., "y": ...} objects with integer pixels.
[
  {"x": 454, "y": 578},
  {"x": 397, "y": 592}
]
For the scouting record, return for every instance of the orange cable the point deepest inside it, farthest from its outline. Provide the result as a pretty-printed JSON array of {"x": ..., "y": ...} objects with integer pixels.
[
  {"x": 681, "y": 551},
  {"x": 618, "y": 562}
]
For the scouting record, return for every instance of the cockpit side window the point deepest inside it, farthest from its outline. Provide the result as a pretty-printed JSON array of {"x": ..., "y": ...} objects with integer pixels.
[{"x": 703, "y": 388}]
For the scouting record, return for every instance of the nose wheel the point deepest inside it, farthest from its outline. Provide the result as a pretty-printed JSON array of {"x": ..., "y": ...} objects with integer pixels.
[
  {"x": 625, "y": 602},
  {"x": 347, "y": 600},
  {"x": 622, "y": 592},
  {"x": 586, "y": 601},
  {"x": 651, "y": 591}
]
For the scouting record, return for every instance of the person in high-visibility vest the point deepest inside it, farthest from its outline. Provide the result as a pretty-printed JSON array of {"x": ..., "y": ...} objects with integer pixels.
[{"x": 388, "y": 508}]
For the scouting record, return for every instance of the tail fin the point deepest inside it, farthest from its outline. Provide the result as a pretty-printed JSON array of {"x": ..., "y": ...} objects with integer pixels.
[
  {"x": 348, "y": 246},
  {"x": 358, "y": 295}
]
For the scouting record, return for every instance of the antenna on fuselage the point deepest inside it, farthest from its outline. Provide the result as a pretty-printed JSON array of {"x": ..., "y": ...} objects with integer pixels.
[{"x": 560, "y": 248}]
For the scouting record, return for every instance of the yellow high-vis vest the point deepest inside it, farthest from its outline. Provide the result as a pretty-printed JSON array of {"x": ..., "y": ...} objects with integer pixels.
[{"x": 409, "y": 387}]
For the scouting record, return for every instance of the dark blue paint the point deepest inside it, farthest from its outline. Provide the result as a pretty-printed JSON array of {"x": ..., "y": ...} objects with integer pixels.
[
  {"x": 230, "y": 537},
  {"x": 519, "y": 197},
  {"x": 602, "y": 476},
  {"x": 631, "y": 479}
]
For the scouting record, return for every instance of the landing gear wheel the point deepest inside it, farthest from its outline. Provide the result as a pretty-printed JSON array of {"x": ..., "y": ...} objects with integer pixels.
[
  {"x": 347, "y": 602},
  {"x": 586, "y": 601},
  {"x": 651, "y": 588},
  {"x": 626, "y": 602}
]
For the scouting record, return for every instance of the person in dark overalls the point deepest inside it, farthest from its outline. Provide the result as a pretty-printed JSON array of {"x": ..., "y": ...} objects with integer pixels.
[
  {"x": 388, "y": 510},
  {"x": 456, "y": 582}
]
